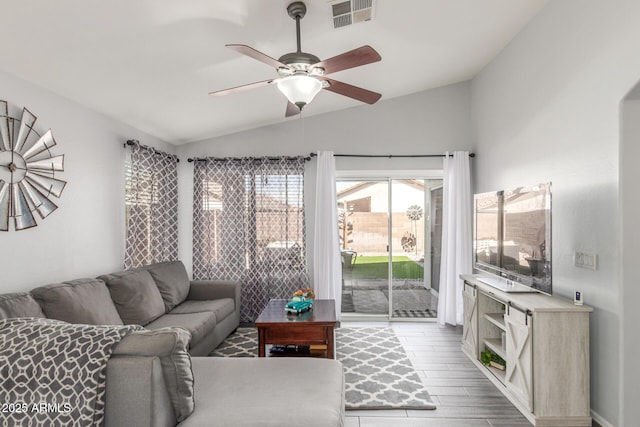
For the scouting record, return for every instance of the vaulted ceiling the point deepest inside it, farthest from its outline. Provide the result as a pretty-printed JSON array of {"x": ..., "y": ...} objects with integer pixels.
[{"x": 152, "y": 63}]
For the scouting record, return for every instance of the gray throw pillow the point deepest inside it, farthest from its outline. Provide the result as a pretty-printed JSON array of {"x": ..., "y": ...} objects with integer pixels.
[
  {"x": 135, "y": 295},
  {"x": 85, "y": 301},
  {"x": 19, "y": 304},
  {"x": 172, "y": 281},
  {"x": 170, "y": 345}
]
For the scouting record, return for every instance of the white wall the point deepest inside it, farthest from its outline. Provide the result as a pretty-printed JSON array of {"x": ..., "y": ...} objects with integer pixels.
[
  {"x": 547, "y": 109},
  {"x": 85, "y": 236},
  {"x": 429, "y": 122},
  {"x": 630, "y": 248}
]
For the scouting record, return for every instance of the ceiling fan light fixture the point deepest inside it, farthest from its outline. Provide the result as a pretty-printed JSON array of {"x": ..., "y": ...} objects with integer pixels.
[
  {"x": 299, "y": 89},
  {"x": 302, "y": 75}
]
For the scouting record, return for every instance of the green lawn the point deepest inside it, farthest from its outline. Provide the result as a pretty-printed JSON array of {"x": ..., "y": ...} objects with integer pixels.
[{"x": 377, "y": 267}]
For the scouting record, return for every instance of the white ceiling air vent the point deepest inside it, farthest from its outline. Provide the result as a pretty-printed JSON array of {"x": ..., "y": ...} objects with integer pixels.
[{"x": 349, "y": 12}]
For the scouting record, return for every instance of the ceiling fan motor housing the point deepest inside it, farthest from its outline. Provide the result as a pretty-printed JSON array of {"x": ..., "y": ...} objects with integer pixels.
[
  {"x": 297, "y": 9},
  {"x": 298, "y": 61}
]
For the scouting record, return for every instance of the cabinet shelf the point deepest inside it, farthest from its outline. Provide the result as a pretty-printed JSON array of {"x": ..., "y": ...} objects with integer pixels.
[
  {"x": 497, "y": 319},
  {"x": 495, "y": 345},
  {"x": 499, "y": 374}
]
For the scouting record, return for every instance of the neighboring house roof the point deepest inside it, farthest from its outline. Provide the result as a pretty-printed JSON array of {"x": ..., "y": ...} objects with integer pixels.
[{"x": 358, "y": 186}]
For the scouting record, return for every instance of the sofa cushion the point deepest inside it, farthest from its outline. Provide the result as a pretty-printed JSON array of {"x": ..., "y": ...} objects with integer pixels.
[
  {"x": 19, "y": 304},
  {"x": 172, "y": 281},
  {"x": 220, "y": 307},
  {"x": 135, "y": 295},
  {"x": 198, "y": 324},
  {"x": 84, "y": 301},
  {"x": 170, "y": 345},
  {"x": 254, "y": 391}
]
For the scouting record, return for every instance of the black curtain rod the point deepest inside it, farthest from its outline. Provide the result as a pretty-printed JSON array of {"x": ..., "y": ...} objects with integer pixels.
[
  {"x": 222, "y": 159},
  {"x": 162, "y": 153},
  {"x": 388, "y": 156}
]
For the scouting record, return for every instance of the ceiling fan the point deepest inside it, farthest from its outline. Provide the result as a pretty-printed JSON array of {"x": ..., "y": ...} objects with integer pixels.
[{"x": 302, "y": 75}]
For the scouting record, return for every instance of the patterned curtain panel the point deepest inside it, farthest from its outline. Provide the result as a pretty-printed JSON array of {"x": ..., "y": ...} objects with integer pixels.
[
  {"x": 248, "y": 225},
  {"x": 151, "y": 207}
]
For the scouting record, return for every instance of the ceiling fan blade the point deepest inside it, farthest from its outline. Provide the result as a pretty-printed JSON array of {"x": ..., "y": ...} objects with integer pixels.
[
  {"x": 354, "y": 58},
  {"x": 292, "y": 109},
  {"x": 255, "y": 54},
  {"x": 242, "y": 87},
  {"x": 351, "y": 91}
]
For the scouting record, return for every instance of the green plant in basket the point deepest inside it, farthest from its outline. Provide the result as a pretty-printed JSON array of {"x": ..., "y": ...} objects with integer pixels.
[{"x": 487, "y": 356}]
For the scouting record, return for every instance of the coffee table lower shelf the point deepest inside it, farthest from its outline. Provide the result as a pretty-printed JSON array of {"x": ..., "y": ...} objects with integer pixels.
[{"x": 317, "y": 350}]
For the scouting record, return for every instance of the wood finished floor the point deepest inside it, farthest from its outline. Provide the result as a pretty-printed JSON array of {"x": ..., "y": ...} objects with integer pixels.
[{"x": 465, "y": 398}]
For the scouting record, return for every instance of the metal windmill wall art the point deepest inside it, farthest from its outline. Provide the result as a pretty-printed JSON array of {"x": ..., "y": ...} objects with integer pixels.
[{"x": 27, "y": 171}]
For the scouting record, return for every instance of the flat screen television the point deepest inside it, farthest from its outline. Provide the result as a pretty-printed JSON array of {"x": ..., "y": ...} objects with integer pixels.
[{"x": 512, "y": 236}]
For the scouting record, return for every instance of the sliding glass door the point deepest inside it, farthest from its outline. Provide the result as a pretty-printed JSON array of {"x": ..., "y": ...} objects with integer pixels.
[
  {"x": 409, "y": 294},
  {"x": 388, "y": 245},
  {"x": 363, "y": 224}
]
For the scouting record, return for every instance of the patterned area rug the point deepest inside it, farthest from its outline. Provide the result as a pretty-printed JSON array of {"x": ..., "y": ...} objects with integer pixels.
[
  {"x": 378, "y": 373},
  {"x": 242, "y": 343}
]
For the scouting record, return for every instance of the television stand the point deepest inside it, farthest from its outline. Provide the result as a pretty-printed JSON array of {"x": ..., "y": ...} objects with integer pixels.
[
  {"x": 547, "y": 372},
  {"x": 505, "y": 285}
]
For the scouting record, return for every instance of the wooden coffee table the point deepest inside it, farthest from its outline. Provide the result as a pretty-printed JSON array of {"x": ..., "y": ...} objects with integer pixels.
[{"x": 275, "y": 326}]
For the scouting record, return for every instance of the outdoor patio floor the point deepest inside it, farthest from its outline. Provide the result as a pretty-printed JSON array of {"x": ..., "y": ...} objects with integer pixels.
[{"x": 371, "y": 296}]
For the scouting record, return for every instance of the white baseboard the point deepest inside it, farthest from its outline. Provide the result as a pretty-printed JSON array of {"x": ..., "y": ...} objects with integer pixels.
[{"x": 598, "y": 418}]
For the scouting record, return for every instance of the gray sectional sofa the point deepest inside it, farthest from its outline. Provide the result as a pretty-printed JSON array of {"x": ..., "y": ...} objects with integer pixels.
[
  {"x": 161, "y": 295},
  {"x": 152, "y": 378},
  {"x": 154, "y": 296}
]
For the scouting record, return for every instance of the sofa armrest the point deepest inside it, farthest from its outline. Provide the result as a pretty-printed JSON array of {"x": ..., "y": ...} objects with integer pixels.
[
  {"x": 214, "y": 289},
  {"x": 136, "y": 394}
]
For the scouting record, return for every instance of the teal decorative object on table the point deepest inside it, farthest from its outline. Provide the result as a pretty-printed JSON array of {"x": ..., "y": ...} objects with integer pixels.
[{"x": 302, "y": 301}]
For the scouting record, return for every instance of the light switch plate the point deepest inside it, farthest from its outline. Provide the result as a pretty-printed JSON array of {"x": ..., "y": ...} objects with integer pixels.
[{"x": 585, "y": 260}]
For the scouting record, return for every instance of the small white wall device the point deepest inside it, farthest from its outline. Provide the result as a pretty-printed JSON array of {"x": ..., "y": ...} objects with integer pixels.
[{"x": 577, "y": 298}]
